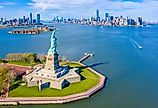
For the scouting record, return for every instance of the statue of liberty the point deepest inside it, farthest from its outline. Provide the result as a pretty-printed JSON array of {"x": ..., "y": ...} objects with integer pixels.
[
  {"x": 52, "y": 62},
  {"x": 52, "y": 49}
]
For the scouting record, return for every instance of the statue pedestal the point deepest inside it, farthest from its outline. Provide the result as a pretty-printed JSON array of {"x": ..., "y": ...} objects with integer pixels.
[{"x": 52, "y": 62}]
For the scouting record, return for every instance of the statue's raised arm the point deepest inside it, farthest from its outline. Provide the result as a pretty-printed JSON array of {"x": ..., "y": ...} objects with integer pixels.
[{"x": 52, "y": 49}]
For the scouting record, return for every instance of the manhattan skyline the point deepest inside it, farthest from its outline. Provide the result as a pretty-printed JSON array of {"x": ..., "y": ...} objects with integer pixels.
[{"x": 80, "y": 8}]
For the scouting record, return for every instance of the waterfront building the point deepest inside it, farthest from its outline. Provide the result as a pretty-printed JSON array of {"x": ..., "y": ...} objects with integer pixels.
[
  {"x": 133, "y": 22},
  {"x": 38, "y": 19},
  {"x": 54, "y": 19},
  {"x": 128, "y": 21},
  {"x": 57, "y": 18},
  {"x": 27, "y": 20},
  {"x": 10, "y": 22},
  {"x": 140, "y": 21},
  {"x": 34, "y": 21},
  {"x": 1, "y": 20},
  {"x": 97, "y": 15},
  {"x": 23, "y": 19},
  {"x": 5, "y": 19},
  {"x": 125, "y": 22},
  {"x": 14, "y": 21},
  {"x": 30, "y": 18},
  {"x": 106, "y": 16},
  {"x": 62, "y": 19},
  {"x": 121, "y": 21},
  {"x": 19, "y": 21},
  {"x": 91, "y": 19},
  {"x": 111, "y": 18},
  {"x": 52, "y": 74}
]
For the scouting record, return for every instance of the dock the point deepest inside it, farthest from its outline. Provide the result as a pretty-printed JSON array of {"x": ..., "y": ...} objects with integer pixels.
[{"x": 87, "y": 55}]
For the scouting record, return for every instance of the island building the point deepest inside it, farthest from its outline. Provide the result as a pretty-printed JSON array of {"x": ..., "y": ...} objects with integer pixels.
[{"x": 52, "y": 74}]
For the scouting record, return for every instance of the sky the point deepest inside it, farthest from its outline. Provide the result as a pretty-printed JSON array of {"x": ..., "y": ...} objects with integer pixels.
[{"x": 148, "y": 9}]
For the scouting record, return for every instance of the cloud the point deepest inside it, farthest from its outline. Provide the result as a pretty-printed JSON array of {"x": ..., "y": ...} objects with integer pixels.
[
  {"x": 1, "y": 6},
  {"x": 77, "y": 5},
  {"x": 7, "y": 3},
  {"x": 58, "y": 4},
  {"x": 128, "y": 0},
  {"x": 121, "y": 6},
  {"x": 147, "y": 9}
]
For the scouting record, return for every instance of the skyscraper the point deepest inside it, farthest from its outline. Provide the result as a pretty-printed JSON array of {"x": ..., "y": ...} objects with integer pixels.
[
  {"x": 20, "y": 21},
  {"x": 34, "y": 21},
  {"x": 106, "y": 16},
  {"x": 38, "y": 19},
  {"x": 133, "y": 22},
  {"x": 111, "y": 18},
  {"x": 27, "y": 20},
  {"x": 30, "y": 18},
  {"x": 1, "y": 21},
  {"x": 140, "y": 21},
  {"x": 128, "y": 21},
  {"x": 97, "y": 15},
  {"x": 57, "y": 19},
  {"x": 11, "y": 22},
  {"x": 23, "y": 19}
]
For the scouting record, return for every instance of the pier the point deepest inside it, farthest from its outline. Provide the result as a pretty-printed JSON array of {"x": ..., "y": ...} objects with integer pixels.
[{"x": 87, "y": 55}]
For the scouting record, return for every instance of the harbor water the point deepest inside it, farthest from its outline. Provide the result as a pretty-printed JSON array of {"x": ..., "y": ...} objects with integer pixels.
[{"x": 128, "y": 56}]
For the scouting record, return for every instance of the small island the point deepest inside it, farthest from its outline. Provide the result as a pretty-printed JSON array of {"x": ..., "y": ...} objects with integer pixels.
[
  {"x": 32, "y": 30},
  {"x": 54, "y": 82}
]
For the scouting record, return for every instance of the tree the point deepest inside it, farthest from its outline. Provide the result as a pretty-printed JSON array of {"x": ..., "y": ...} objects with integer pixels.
[
  {"x": 22, "y": 57},
  {"x": 41, "y": 58},
  {"x": 6, "y": 76},
  {"x": 4, "y": 72},
  {"x": 0, "y": 60},
  {"x": 62, "y": 59},
  {"x": 30, "y": 57}
]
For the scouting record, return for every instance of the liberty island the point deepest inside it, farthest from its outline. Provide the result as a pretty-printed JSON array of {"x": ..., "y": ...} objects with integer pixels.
[{"x": 54, "y": 83}]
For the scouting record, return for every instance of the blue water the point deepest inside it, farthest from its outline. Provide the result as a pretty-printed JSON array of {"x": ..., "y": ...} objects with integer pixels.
[{"x": 129, "y": 56}]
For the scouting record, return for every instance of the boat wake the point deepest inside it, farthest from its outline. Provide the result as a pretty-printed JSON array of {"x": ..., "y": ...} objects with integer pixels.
[{"x": 136, "y": 44}]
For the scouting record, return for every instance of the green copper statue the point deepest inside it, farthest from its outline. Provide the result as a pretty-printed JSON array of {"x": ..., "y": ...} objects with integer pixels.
[{"x": 52, "y": 49}]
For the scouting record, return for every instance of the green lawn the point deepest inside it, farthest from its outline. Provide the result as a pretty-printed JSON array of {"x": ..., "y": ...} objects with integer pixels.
[{"x": 90, "y": 80}]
